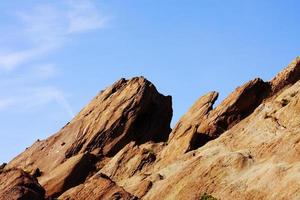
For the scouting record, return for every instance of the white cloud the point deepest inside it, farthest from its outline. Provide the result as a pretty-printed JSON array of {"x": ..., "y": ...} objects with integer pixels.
[
  {"x": 41, "y": 31},
  {"x": 12, "y": 60},
  {"x": 34, "y": 98},
  {"x": 83, "y": 16},
  {"x": 48, "y": 27}
]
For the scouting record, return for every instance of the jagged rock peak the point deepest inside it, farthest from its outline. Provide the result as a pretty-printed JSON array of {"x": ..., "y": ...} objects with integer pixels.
[
  {"x": 116, "y": 148},
  {"x": 202, "y": 123},
  {"x": 133, "y": 110},
  {"x": 289, "y": 76},
  {"x": 129, "y": 110}
]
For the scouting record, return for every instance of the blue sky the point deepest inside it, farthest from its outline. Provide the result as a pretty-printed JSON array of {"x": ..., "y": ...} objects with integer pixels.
[{"x": 56, "y": 55}]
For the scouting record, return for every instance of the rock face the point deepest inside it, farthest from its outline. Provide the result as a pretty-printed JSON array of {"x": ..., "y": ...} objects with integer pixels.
[
  {"x": 288, "y": 76},
  {"x": 97, "y": 187},
  {"x": 69, "y": 174},
  {"x": 129, "y": 110},
  {"x": 17, "y": 184},
  {"x": 202, "y": 123},
  {"x": 121, "y": 147}
]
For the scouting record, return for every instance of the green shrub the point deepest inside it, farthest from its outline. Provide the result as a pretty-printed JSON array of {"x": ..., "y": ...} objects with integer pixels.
[{"x": 207, "y": 197}]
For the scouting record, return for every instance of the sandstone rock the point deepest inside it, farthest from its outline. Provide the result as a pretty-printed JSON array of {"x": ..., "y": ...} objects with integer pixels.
[
  {"x": 258, "y": 158},
  {"x": 130, "y": 166},
  {"x": 289, "y": 76},
  {"x": 129, "y": 110},
  {"x": 99, "y": 187},
  {"x": 184, "y": 136},
  {"x": 202, "y": 123},
  {"x": 15, "y": 184},
  {"x": 119, "y": 146},
  {"x": 234, "y": 108},
  {"x": 67, "y": 175}
]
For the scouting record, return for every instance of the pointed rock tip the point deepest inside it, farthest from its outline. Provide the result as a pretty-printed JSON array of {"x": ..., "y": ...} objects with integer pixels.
[
  {"x": 289, "y": 76},
  {"x": 209, "y": 97}
]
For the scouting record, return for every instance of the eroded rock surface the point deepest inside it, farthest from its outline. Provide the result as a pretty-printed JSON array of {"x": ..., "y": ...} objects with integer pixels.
[
  {"x": 202, "y": 123},
  {"x": 15, "y": 184},
  {"x": 121, "y": 147},
  {"x": 98, "y": 187},
  {"x": 69, "y": 174},
  {"x": 129, "y": 110}
]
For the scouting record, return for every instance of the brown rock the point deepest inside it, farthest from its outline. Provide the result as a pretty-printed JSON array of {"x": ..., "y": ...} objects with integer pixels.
[
  {"x": 15, "y": 184},
  {"x": 246, "y": 148},
  {"x": 256, "y": 159},
  {"x": 130, "y": 110},
  {"x": 130, "y": 166},
  {"x": 202, "y": 123},
  {"x": 99, "y": 187},
  {"x": 287, "y": 77},
  {"x": 67, "y": 175},
  {"x": 238, "y": 105},
  {"x": 184, "y": 136}
]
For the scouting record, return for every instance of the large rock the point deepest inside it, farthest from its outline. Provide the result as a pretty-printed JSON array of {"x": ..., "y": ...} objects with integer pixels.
[
  {"x": 15, "y": 184},
  {"x": 202, "y": 123},
  {"x": 132, "y": 165},
  {"x": 119, "y": 146},
  {"x": 67, "y": 175},
  {"x": 256, "y": 159},
  {"x": 129, "y": 110},
  {"x": 287, "y": 77},
  {"x": 255, "y": 155},
  {"x": 99, "y": 187}
]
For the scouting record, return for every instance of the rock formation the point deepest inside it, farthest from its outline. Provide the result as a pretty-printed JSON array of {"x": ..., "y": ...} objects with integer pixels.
[
  {"x": 120, "y": 146},
  {"x": 17, "y": 184}
]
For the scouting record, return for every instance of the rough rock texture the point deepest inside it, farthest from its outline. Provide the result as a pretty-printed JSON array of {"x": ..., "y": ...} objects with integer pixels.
[
  {"x": 130, "y": 166},
  {"x": 129, "y": 110},
  {"x": 17, "y": 184},
  {"x": 67, "y": 175},
  {"x": 97, "y": 187},
  {"x": 287, "y": 77},
  {"x": 256, "y": 159},
  {"x": 121, "y": 147},
  {"x": 202, "y": 123}
]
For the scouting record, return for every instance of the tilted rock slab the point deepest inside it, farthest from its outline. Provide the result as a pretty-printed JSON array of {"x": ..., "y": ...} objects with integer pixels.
[
  {"x": 129, "y": 110},
  {"x": 246, "y": 148}
]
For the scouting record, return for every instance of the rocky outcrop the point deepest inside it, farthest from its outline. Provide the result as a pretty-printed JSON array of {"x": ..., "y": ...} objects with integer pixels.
[
  {"x": 129, "y": 110},
  {"x": 97, "y": 187},
  {"x": 131, "y": 166},
  {"x": 202, "y": 123},
  {"x": 256, "y": 159},
  {"x": 17, "y": 184},
  {"x": 69, "y": 174},
  {"x": 289, "y": 76},
  {"x": 121, "y": 147}
]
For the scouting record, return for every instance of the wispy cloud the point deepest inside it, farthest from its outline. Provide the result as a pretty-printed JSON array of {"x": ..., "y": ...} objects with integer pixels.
[
  {"x": 83, "y": 16},
  {"x": 43, "y": 30},
  {"x": 33, "y": 98},
  {"x": 47, "y": 27}
]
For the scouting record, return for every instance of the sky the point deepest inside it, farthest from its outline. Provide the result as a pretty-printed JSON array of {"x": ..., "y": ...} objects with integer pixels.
[{"x": 56, "y": 55}]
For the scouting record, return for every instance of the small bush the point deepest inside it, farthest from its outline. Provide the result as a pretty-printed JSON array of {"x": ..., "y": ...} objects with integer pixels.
[{"x": 207, "y": 197}]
